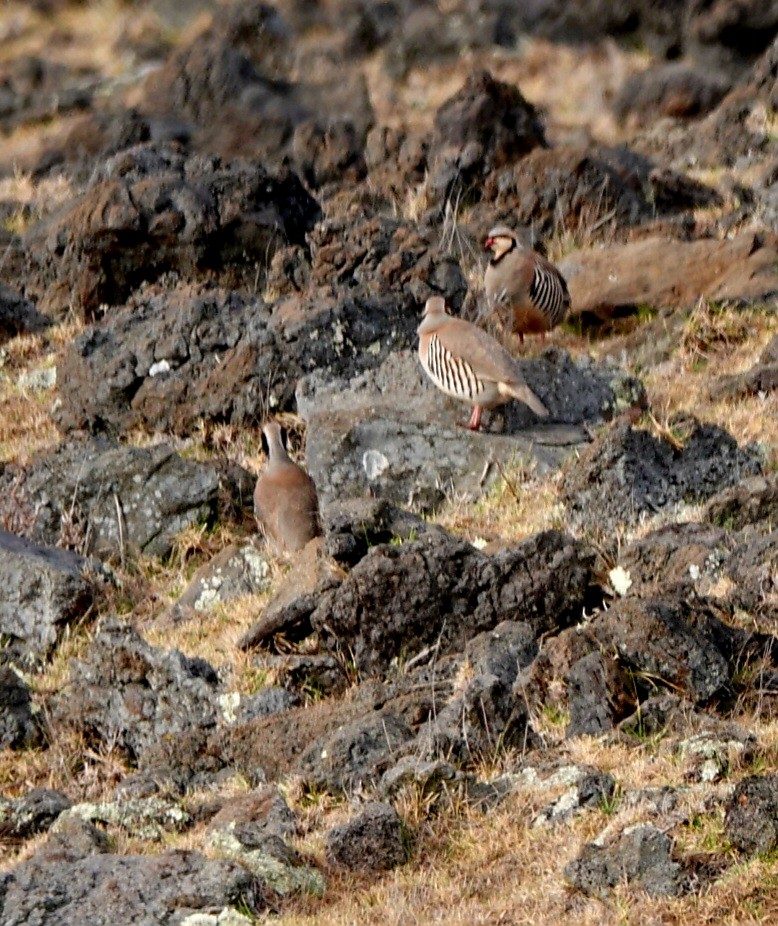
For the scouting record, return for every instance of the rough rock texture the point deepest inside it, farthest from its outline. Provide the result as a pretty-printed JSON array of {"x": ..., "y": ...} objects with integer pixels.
[
  {"x": 44, "y": 590},
  {"x": 673, "y": 89},
  {"x": 761, "y": 378},
  {"x": 642, "y": 856},
  {"x": 372, "y": 839},
  {"x": 234, "y": 572},
  {"x": 134, "y": 696},
  {"x": 101, "y": 497},
  {"x": 391, "y": 433},
  {"x": 355, "y": 754},
  {"x": 105, "y": 889},
  {"x": 484, "y": 126},
  {"x": 17, "y": 315},
  {"x": 19, "y": 728},
  {"x": 751, "y": 822},
  {"x": 628, "y": 473},
  {"x": 439, "y": 591},
  {"x": 562, "y": 187},
  {"x": 33, "y": 813},
  {"x": 253, "y": 816},
  {"x": 153, "y": 212}
]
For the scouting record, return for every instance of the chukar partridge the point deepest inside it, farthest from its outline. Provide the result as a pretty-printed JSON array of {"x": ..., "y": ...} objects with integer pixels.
[
  {"x": 529, "y": 290},
  {"x": 468, "y": 364},
  {"x": 285, "y": 501}
]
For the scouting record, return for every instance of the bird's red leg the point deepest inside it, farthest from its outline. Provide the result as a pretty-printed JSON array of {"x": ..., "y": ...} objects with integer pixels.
[{"x": 475, "y": 419}]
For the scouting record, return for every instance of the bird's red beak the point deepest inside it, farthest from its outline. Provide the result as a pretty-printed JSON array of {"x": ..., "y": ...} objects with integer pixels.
[{"x": 488, "y": 244}]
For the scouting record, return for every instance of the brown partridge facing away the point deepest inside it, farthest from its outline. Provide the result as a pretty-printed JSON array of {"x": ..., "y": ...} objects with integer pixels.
[
  {"x": 525, "y": 289},
  {"x": 468, "y": 364},
  {"x": 285, "y": 501}
]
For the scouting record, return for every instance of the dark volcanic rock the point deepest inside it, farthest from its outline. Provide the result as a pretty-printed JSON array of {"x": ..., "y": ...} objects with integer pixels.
[
  {"x": 17, "y": 315},
  {"x": 483, "y": 127},
  {"x": 751, "y": 822},
  {"x": 761, "y": 378},
  {"x": 355, "y": 754},
  {"x": 33, "y": 813},
  {"x": 564, "y": 188},
  {"x": 674, "y": 89},
  {"x": 328, "y": 153},
  {"x": 353, "y": 525},
  {"x": 440, "y": 591},
  {"x": 134, "y": 696},
  {"x": 628, "y": 473},
  {"x": 105, "y": 889},
  {"x": 252, "y": 817},
  {"x": 753, "y": 501},
  {"x": 43, "y": 590},
  {"x": 641, "y": 856},
  {"x": 36, "y": 90},
  {"x": 152, "y": 212},
  {"x": 98, "y": 496},
  {"x": 672, "y": 642},
  {"x": 371, "y": 840},
  {"x": 18, "y": 727}
]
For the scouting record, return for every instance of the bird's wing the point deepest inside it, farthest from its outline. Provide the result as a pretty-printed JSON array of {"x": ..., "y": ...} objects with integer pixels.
[{"x": 488, "y": 358}]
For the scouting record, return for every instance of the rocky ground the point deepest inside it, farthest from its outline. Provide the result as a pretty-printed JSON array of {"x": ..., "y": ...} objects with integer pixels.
[{"x": 528, "y": 675}]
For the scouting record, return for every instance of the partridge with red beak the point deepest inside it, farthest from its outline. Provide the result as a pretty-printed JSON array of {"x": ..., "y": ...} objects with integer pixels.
[
  {"x": 526, "y": 290},
  {"x": 285, "y": 501},
  {"x": 465, "y": 362}
]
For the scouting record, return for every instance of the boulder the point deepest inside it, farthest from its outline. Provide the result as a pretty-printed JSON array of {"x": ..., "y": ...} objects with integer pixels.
[
  {"x": 151, "y": 212},
  {"x": 145, "y": 890},
  {"x": 395, "y": 435},
  {"x": 751, "y": 502},
  {"x": 105, "y": 498},
  {"x": 751, "y": 821},
  {"x": 659, "y": 272},
  {"x": 440, "y": 592},
  {"x": 674, "y": 89},
  {"x": 19, "y": 728},
  {"x": 135, "y": 696},
  {"x": 44, "y": 590},
  {"x": 486, "y": 125},
  {"x": 235, "y": 571},
  {"x": 627, "y": 474},
  {"x": 641, "y": 855},
  {"x": 17, "y": 315},
  {"x": 371, "y": 840},
  {"x": 34, "y": 812}
]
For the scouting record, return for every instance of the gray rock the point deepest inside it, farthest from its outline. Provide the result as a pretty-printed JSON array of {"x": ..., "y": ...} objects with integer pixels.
[
  {"x": 133, "y": 695},
  {"x": 71, "y": 838},
  {"x": 673, "y": 642},
  {"x": 354, "y": 525},
  {"x": 587, "y": 788},
  {"x": 18, "y": 726},
  {"x": 752, "y": 501},
  {"x": 396, "y": 436},
  {"x": 372, "y": 840},
  {"x": 33, "y": 813},
  {"x": 150, "y": 211},
  {"x": 17, "y": 315},
  {"x": 146, "y": 818},
  {"x": 43, "y": 591},
  {"x": 628, "y": 473},
  {"x": 641, "y": 856},
  {"x": 440, "y": 592},
  {"x": 233, "y": 572},
  {"x": 253, "y": 816},
  {"x": 271, "y": 700},
  {"x": 356, "y": 754},
  {"x": 106, "y": 498},
  {"x": 428, "y": 777},
  {"x": 751, "y": 821},
  {"x": 106, "y": 889}
]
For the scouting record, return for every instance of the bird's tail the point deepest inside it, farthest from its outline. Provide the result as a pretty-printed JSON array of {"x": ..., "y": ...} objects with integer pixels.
[{"x": 524, "y": 394}]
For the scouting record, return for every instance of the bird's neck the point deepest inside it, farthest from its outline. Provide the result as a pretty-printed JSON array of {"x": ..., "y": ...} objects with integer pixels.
[{"x": 500, "y": 254}]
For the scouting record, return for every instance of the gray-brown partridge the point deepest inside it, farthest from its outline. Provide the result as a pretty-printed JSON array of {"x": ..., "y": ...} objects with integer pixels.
[
  {"x": 285, "y": 501},
  {"x": 468, "y": 364},
  {"x": 528, "y": 293}
]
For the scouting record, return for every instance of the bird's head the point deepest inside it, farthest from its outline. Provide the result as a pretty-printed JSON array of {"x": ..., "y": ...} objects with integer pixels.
[{"x": 500, "y": 241}]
